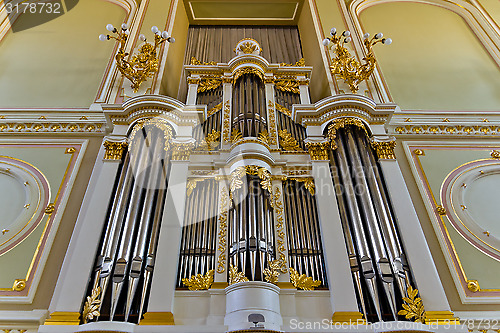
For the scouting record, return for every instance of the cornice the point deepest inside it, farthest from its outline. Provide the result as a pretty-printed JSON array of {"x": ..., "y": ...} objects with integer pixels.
[{"x": 453, "y": 124}]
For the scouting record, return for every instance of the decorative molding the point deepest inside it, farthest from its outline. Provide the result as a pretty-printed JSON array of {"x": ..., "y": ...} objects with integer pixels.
[
  {"x": 157, "y": 318},
  {"x": 214, "y": 110},
  {"x": 114, "y": 150},
  {"x": 318, "y": 150},
  {"x": 283, "y": 109},
  {"x": 63, "y": 318},
  {"x": 348, "y": 317},
  {"x": 441, "y": 318}
]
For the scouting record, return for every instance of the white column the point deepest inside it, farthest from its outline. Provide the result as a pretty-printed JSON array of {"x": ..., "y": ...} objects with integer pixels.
[
  {"x": 423, "y": 269},
  {"x": 280, "y": 237},
  {"x": 192, "y": 94},
  {"x": 161, "y": 299},
  {"x": 304, "y": 90},
  {"x": 342, "y": 294},
  {"x": 271, "y": 113},
  {"x": 78, "y": 262}
]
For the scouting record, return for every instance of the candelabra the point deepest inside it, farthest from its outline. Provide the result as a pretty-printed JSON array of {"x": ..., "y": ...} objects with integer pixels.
[
  {"x": 345, "y": 66},
  {"x": 142, "y": 65}
]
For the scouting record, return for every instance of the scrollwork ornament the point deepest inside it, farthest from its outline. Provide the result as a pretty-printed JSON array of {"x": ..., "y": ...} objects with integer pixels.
[
  {"x": 157, "y": 122},
  {"x": 181, "y": 151}
]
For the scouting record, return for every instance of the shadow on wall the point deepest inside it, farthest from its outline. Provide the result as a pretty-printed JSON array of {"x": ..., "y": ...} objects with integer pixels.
[{"x": 39, "y": 12}]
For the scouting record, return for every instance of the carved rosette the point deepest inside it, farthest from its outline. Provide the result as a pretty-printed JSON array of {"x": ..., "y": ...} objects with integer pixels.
[
  {"x": 318, "y": 150},
  {"x": 181, "y": 150},
  {"x": 385, "y": 149},
  {"x": 114, "y": 150}
]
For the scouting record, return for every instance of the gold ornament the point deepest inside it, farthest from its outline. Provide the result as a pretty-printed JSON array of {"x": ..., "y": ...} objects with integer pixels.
[
  {"x": 221, "y": 260},
  {"x": 200, "y": 282},
  {"x": 303, "y": 281},
  {"x": 91, "y": 307},
  {"x": 19, "y": 284},
  {"x": 341, "y": 123},
  {"x": 318, "y": 150},
  {"x": 264, "y": 137},
  {"x": 495, "y": 154},
  {"x": 288, "y": 142},
  {"x": 196, "y": 62},
  {"x": 413, "y": 307},
  {"x": 385, "y": 149},
  {"x": 300, "y": 63},
  {"x": 473, "y": 285},
  {"x": 272, "y": 272},
  {"x": 441, "y": 210},
  {"x": 114, "y": 150},
  {"x": 236, "y": 136},
  {"x": 235, "y": 276}
]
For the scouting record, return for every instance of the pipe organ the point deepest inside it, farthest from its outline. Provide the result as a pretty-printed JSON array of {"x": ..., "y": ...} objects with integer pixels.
[
  {"x": 126, "y": 257},
  {"x": 252, "y": 205}
]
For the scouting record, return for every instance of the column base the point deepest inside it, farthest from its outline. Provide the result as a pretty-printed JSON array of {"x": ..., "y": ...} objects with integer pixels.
[
  {"x": 348, "y": 317},
  {"x": 441, "y": 318},
  {"x": 158, "y": 318},
  {"x": 63, "y": 318}
]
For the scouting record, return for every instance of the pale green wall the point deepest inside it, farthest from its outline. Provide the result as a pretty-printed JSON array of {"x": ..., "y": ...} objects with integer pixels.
[
  {"x": 59, "y": 63},
  {"x": 435, "y": 61}
]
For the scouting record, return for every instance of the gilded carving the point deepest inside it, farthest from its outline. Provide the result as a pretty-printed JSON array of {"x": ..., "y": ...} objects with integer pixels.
[
  {"x": 221, "y": 260},
  {"x": 473, "y": 286},
  {"x": 283, "y": 109},
  {"x": 264, "y": 137},
  {"x": 114, "y": 150},
  {"x": 272, "y": 272},
  {"x": 210, "y": 142},
  {"x": 247, "y": 70},
  {"x": 280, "y": 230},
  {"x": 235, "y": 276},
  {"x": 236, "y": 136},
  {"x": 384, "y": 149},
  {"x": 19, "y": 285},
  {"x": 50, "y": 209},
  {"x": 272, "y": 123},
  {"x": 92, "y": 305},
  {"x": 287, "y": 85},
  {"x": 197, "y": 62},
  {"x": 413, "y": 308},
  {"x": 318, "y": 150},
  {"x": 495, "y": 154},
  {"x": 441, "y": 210},
  {"x": 200, "y": 282},
  {"x": 208, "y": 83},
  {"x": 300, "y": 63},
  {"x": 288, "y": 142},
  {"x": 181, "y": 150},
  {"x": 419, "y": 152},
  {"x": 341, "y": 123},
  {"x": 308, "y": 183},
  {"x": 303, "y": 281},
  {"x": 226, "y": 125},
  {"x": 239, "y": 172},
  {"x": 157, "y": 122},
  {"x": 213, "y": 110},
  {"x": 191, "y": 185}
]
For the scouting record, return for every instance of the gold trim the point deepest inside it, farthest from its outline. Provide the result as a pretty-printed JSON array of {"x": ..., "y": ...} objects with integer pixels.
[
  {"x": 441, "y": 210},
  {"x": 181, "y": 151},
  {"x": 197, "y": 62},
  {"x": 92, "y": 305},
  {"x": 283, "y": 109},
  {"x": 419, "y": 152},
  {"x": 63, "y": 318},
  {"x": 272, "y": 272},
  {"x": 318, "y": 150},
  {"x": 288, "y": 142},
  {"x": 287, "y": 85},
  {"x": 495, "y": 154},
  {"x": 348, "y": 317},
  {"x": 280, "y": 229},
  {"x": 413, "y": 307},
  {"x": 308, "y": 183},
  {"x": 114, "y": 150},
  {"x": 213, "y": 110},
  {"x": 341, "y": 123},
  {"x": 70, "y": 150},
  {"x": 200, "y": 282},
  {"x": 441, "y": 318},
  {"x": 300, "y": 63},
  {"x": 158, "y": 318},
  {"x": 50, "y": 209},
  {"x": 384, "y": 149},
  {"x": 219, "y": 285},
  {"x": 221, "y": 260},
  {"x": 19, "y": 285}
]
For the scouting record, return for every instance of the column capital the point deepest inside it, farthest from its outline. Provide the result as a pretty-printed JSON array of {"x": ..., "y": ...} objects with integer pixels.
[
  {"x": 384, "y": 147},
  {"x": 181, "y": 150},
  {"x": 114, "y": 147},
  {"x": 318, "y": 150}
]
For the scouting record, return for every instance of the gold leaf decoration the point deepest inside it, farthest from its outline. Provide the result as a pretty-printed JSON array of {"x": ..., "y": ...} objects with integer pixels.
[
  {"x": 300, "y": 63},
  {"x": 288, "y": 142},
  {"x": 197, "y": 62},
  {"x": 303, "y": 281},
  {"x": 200, "y": 282},
  {"x": 248, "y": 47},
  {"x": 283, "y": 109},
  {"x": 207, "y": 84},
  {"x": 213, "y": 110},
  {"x": 287, "y": 85},
  {"x": 413, "y": 307},
  {"x": 91, "y": 307},
  {"x": 236, "y": 136},
  {"x": 235, "y": 276},
  {"x": 210, "y": 142},
  {"x": 495, "y": 154},
  {"x": 273, "y": 271},
  {"x": 308, "y": 183},
  {"x": 50, "y": 209},
  {"x": 264, "y": 137},
  {"x": 341, "y": 123}
]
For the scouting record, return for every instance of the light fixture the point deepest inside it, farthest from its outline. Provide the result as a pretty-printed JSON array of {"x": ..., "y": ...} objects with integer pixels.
[
  {"x": 142, "y": 65},
  {"x": 345, "y": 66}
]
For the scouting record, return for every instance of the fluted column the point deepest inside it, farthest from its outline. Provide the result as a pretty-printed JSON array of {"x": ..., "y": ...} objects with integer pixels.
[
  {"x": 420, "y": 259},
  {"x": 342, "y": 294},
  {"x": 78, "y": 262},
  {"x": 161, "y": 299}
]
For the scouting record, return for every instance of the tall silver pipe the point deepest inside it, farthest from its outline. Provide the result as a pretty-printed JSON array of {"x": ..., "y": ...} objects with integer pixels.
[
  {"x": 138, "y": 252},
  {"x": 386, "y": 221},
  {"x": 367, "y": 268},
  {"x": 351, "y": 252},
  {"x": 123, "y": 254},
  {"x": 380, "y": 253}
]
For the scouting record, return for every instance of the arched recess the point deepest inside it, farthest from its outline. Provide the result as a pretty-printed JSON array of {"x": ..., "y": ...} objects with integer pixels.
[
  {"x": 59, "y": 63},
  {"x": 438, "y": 60}
]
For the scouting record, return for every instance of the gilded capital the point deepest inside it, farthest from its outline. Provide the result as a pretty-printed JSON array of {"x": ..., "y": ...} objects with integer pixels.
[
  {"x": 181, "y": 150},
  {"x": 385, "y": 149},
  {"x": 318, "y": 150},
  {"x": 114, "y": 150}
]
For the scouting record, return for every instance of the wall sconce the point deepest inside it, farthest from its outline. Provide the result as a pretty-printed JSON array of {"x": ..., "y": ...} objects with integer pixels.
[
  {"x": 346, "y": 66},
  {"x": 142, "y": 65}
]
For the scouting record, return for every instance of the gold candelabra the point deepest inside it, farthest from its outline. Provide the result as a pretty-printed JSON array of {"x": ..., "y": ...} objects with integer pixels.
[
  {"x": 143, "y": 65},
  {"x": 345, "y": 66}
]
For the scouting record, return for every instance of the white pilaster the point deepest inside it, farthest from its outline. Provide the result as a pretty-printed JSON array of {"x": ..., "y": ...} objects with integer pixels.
[
  {"x": 342, "y": 294},
  {"x": 77, "y": 266},
  {"x": 280, "y": 236},
  {"x": 165, "y": 272},
  {"x": 192, "y": 94},
  {"x": 222, "y": 247},
  {"x": 304, "y": 90},
  {"x": 272, "y": 125},
  {"x": 418, "y": 253},
  {"x": 227, "y": 92}
]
